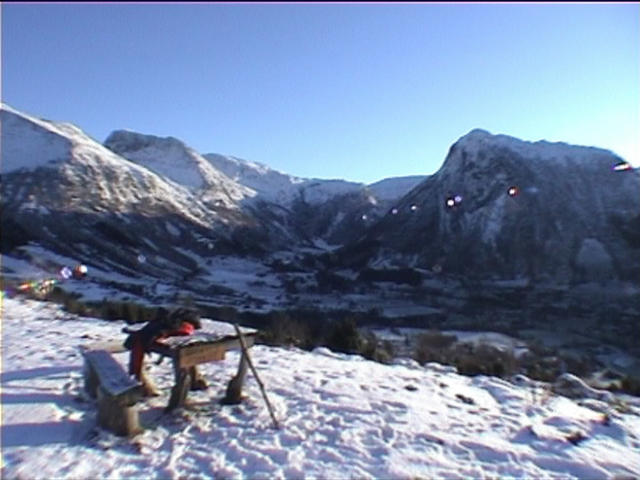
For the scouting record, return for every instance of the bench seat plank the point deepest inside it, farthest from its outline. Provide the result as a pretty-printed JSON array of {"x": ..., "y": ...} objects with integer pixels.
[
  {"x": 116, "y": 392},
  {"x": 111, "y": 346},
  {"x": 113, "y": 379}
]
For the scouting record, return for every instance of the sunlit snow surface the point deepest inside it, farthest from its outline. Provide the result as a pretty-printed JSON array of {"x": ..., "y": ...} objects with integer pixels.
[{"x": 342, "y": 417}]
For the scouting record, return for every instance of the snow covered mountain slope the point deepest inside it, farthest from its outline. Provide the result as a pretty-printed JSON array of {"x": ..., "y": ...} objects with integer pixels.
[
  {"x": 335, "y": 211},
  {"x": 173, "y": 160},
  {"x": 504, "y": 207},
  {"x": 68, "y": 193},
  {"x": 271, "y": 185},
  {"x": 33, "y": 142},
  {"x": 281, "y": 188},
  {"x": 329, "y": 210},
  {"x": 64, "y": 169},
  {"x": 341, "y": 417}
]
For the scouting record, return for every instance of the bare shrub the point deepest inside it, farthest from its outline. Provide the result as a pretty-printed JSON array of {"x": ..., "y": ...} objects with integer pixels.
[{"x": 432, "y": 347}]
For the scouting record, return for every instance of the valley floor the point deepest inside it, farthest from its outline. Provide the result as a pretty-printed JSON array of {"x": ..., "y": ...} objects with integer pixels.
[{"x": 341, "y": 416}]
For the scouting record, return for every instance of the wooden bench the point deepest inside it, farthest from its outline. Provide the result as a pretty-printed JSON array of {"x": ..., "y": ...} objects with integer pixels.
[
  {"x": 116, "y": 392},
  {"x": 208, "y": 345}
]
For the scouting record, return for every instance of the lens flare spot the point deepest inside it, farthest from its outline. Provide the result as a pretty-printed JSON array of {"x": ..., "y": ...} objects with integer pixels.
[
  {"x": 622, "y": 166},
  {"x": 457, "y": 199},
  {"x": 80, "y": 271},
  {"x": 66, "y": 273}
]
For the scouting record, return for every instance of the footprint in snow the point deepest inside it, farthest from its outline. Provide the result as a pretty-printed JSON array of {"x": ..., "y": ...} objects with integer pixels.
[{"x": 465, "y": 399}]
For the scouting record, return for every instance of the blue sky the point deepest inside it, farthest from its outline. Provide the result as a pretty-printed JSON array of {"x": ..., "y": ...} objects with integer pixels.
[{"x": 354, "y": 91}]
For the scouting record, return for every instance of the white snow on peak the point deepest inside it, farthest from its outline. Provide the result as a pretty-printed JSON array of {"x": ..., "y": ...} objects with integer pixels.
[
  {"x": 543, "y": 150},
  {"x": 282, "y": 188},
  {"x": 278, "y": 187},
  {"x": 239, "y": 169},
  {"x": 29, "y": 142},
  {"x": 174, "y": 160},
  {"x": 271, "y": 185}
]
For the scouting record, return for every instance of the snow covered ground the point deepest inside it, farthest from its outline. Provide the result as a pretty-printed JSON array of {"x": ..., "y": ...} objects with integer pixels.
[{"x": 341, "y": 416}]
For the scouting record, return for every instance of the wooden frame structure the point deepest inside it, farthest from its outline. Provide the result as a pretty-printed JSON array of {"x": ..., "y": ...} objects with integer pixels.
[
  {"x": 117, "y": 393},
  {"x": 190, "y": 351}
]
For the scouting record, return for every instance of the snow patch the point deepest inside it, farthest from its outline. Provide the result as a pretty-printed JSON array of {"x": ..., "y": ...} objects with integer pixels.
[{"x": 29, "y": 143}]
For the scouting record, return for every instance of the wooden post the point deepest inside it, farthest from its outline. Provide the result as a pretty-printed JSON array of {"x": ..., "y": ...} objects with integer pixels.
[
  {"x": 180, "y": 389},
  {"x": 117, "y": 414},
  {"x": 234, "y": 388},
  {"x": 245, "y": 353}
]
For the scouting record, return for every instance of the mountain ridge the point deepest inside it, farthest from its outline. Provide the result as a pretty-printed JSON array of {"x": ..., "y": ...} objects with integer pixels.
[
  {"x": 506, "y": 206},
  {"x": 572, "y": 216}
]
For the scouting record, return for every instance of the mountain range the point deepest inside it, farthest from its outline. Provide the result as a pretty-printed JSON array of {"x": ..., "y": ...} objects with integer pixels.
[{"x": 146, "y": 207}]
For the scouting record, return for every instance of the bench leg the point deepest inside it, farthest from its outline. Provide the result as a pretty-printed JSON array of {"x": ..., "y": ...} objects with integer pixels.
[
  {"x": 180, "y": 389},
  {"x": 234, "y": 388},
  {"x": 116, "y": 416}
]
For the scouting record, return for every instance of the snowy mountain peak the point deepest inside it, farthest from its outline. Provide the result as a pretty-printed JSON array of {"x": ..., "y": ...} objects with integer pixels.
[
  {"x": 278, "y": 187},
  {"x": 174, "y": 160},
  {"x": 238, "y": 168},
  {"x": 271, "y": 185},
  {"x": 520, "y": 209},
  {"x": 478, "y": 133},
  {"x": 29, "y": 142},
  {"x": 168, "y": 157},
  {"x": 478, "y": 140},
  {"x": 131, "y": 141},
  {"x": 83, "y": 175},
  {"x": 59, "y": 128}
]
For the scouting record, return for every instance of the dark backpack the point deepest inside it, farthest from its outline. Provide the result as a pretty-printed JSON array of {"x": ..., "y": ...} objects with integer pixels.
[{"x": 164, "y": 323}]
